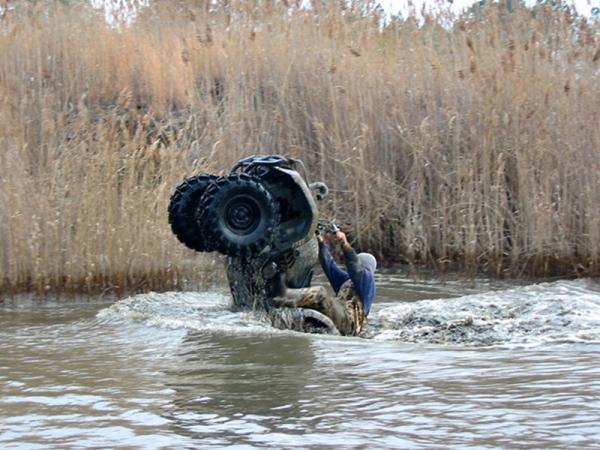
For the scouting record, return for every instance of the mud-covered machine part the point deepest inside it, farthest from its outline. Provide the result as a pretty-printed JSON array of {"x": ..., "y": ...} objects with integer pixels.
[
  {"x": 182, "y": 212},
  {"x": 263, "y": 215},
  {"x": 239, "y": 214}
]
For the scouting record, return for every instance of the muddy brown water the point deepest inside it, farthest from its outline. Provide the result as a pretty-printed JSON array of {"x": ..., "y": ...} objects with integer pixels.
[{"x": 446, "y": 365}]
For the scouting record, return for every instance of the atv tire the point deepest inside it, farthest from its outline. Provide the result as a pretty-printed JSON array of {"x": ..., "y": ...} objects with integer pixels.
[
  {"x": 183, "y": 208},
  {"x": 240, "y": 215}
]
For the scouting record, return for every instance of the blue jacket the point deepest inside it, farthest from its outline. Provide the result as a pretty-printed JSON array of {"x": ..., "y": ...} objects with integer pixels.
[{"x": 363, "y": 280}]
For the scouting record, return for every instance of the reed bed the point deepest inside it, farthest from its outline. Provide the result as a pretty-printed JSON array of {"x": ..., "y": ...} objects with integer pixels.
[{"x": 473, "y": 146}]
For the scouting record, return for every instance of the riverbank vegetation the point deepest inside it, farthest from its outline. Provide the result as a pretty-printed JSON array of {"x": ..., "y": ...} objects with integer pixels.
[{"x": 470, "y": 145}]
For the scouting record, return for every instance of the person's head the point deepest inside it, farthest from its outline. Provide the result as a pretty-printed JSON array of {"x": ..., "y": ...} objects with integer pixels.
[{"x": 368, "y": 261}]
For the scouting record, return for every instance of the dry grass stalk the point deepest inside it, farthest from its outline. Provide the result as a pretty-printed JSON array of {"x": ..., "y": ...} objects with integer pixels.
[{"x": 475, "y": 147}]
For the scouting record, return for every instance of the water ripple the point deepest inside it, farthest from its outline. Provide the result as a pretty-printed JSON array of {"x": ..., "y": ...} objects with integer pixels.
[{"x": 179, "y": 370}]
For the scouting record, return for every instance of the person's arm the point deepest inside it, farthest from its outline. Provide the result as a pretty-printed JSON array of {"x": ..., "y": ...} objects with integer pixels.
[
  {"x": 335, "y": 275},
  {"x": 362, "y": 279},
  {"x": 350, "y": 256}
]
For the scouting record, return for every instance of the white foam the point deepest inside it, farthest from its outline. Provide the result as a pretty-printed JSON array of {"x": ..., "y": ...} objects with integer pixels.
[
  {"x": 562, "y": 311},
  {"x": 536, "y": 315},
  {"x": 202, "y": 311}
]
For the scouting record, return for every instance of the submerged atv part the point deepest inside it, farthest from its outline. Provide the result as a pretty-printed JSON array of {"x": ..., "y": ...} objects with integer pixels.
[
  {"x": 249, "y": 290},
  {"x": 239, "y": 214},
  {"x": 302, "y": 320},
  {"x": 182, "y": 212}
]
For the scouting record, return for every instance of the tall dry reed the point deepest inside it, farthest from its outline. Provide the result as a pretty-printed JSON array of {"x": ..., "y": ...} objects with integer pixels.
[{"x": 475, "y": 147}]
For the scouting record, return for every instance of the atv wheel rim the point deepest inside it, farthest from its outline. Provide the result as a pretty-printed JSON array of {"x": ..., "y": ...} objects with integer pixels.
[{"x": 242, "y": 215}]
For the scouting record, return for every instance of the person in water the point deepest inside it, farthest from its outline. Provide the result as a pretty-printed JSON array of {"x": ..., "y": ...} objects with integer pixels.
[{"x": 354, "y": 289}]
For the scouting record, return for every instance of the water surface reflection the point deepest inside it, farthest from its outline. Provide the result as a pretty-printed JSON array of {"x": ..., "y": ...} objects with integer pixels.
[{"x": 179, "y": 370}]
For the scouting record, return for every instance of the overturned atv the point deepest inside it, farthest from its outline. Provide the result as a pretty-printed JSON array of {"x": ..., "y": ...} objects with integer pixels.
[{"x": 263, "y": 216}]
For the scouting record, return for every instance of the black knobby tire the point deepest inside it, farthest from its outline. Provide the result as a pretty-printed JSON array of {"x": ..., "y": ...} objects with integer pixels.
[
  {"x": 183, "y": 208},
  {"x": 240, "y": 215}
]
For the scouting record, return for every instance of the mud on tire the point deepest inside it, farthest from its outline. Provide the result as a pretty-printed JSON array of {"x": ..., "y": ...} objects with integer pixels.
[
  {"x": 239, "y": 214},
  {"x": 183, "y": 208}
]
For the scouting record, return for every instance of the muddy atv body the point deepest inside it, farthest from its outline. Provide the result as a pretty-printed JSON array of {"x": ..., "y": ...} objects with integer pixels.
[{"x": 263, "y": 215}]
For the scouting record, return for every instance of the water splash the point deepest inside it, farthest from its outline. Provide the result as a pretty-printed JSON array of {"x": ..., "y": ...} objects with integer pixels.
[
  {"x": 201, "y": 311},
  {"x": 539, "y": 314},
  {"x": 558, "y": 312},
  {"x": 210, "y": 312}
]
